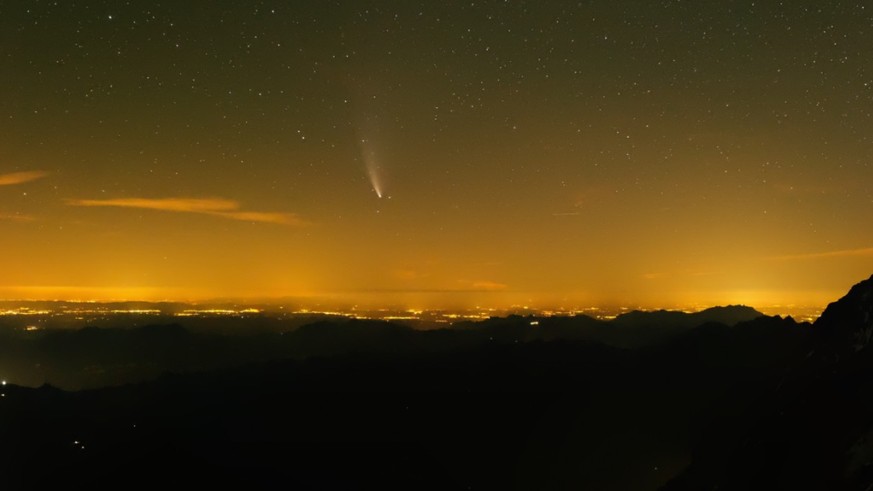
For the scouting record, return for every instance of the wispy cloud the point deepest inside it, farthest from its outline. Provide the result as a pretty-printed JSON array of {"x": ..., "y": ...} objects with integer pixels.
[
  {"x": 21, "y": 177},
  {"x": 264, "y": 217},
  {"x": 191, "y": 205},
  {"x": 863, "y": 251},
  {"x": 207, "y": 206},
  {"x": 16, "y": 217},
  {"x": 409, "y": 274},
  {"x": 486, "y": 285},
  {"x": 490, "y": 285}
]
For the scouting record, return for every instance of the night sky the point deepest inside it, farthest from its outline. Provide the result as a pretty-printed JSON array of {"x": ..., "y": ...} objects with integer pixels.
[{"x": 437, "y": 154}]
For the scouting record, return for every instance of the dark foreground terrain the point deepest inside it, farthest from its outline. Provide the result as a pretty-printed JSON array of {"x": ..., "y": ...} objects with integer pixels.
[{"x": 727, "y": 400}]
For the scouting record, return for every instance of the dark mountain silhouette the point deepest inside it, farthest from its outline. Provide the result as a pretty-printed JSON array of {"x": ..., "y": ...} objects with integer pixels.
[
  {"x": 813, "y": 429},
  {"x": 729, "y": 316},
  {"x": 345, "y": 422},
  {"x": 726, "y": 399},
  {"x": 846, "y": 326},
  {"x": 95, "y": 357},
  {"x": 630, "y": 330},
  {"x": 639, "y": 328}
]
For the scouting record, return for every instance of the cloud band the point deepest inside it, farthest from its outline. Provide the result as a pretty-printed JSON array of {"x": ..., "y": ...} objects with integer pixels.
[{"x": 207, "y": 206}]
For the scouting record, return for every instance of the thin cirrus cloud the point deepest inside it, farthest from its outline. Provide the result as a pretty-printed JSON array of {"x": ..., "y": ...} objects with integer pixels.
[
  {"x": 21, "y": 177},
  {"x": 219, "y": 207},
  {"x": 863, "y": 251},
  {"x": 487, "y": 285},
  {"x": 16, "y": 217}
]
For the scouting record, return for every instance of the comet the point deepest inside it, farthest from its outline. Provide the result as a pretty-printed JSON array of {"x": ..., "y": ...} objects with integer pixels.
[
  {"x": 374, "y": 180},
  {"x": 373, "y": 168}
]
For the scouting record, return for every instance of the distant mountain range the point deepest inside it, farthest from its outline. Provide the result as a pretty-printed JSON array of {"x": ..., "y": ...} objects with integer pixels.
[
  {"x": 94, "y": 357},
  {"x": 721, "y": 399},
  {"x": 729, "y": 316}
]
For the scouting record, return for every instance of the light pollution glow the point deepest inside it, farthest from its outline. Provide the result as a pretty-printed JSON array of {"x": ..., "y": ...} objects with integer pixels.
[{"x": 618, "y": 157}]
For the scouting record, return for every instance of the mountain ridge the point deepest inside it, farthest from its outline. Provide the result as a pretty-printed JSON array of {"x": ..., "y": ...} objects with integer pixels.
[
  {"x": 813, "y": 429},
  {"x": 522, "y": 402}
]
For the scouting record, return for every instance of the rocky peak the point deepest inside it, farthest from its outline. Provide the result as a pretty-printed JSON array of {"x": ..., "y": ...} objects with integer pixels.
[{"x": 849, "y": 320}]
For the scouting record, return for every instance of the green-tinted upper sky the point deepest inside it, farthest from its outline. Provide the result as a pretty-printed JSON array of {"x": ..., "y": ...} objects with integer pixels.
[{"x": 437, "y": 153}]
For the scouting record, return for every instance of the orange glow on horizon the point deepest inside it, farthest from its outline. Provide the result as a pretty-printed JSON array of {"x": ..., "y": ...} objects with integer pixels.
[
  {"x": 441, "y": 163},
  {"x": 806, "y": 305}
]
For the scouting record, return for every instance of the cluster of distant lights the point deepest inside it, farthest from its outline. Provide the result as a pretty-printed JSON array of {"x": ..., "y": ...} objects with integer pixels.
[
  {"x": 440, "y": 316},
  {"x": 381, "y": 314},
  {"x": 184, "y": 313},
  {"x": 215, "y": 312}
]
